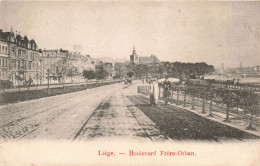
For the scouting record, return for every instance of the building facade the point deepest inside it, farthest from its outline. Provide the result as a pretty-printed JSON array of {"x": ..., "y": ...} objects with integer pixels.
[
  {"x": 48, "y": 60},
  {"x": 20, "y": 57},
  {"x": 4, "y": 60},
  {"x": 135, "y": 58}
]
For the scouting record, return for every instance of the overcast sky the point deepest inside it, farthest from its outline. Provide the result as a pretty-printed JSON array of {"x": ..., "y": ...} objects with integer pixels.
[{"x": 212, "y": 32}]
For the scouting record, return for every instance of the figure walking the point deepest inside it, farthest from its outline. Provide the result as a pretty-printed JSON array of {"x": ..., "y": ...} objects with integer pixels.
[
  {"x": 166, "y": 90},
  {"x": 155, "y": 91}
]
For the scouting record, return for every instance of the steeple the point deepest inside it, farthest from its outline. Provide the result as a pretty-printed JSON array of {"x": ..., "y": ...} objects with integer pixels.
[{"x": 134, "y": 50}]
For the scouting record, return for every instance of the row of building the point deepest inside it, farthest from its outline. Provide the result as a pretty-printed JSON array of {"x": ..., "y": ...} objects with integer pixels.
[{"x": 21, "y": 56}]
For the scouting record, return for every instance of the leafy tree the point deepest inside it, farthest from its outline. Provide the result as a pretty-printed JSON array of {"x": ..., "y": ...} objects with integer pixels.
[
  {"x": 19, "y": 77},
  {"x": 28, "y": 83},
  {"x": 108, "y": 68},
  {"x": 5, "y": 84},
  {"x": 101, "y": 73},
  {"x": 130, "y": 74},
  {"x": 62, "y": 68},
  {"x": 120, "y": 70},
  {"x": 89, "y": 74},
  {"x": 72, "y": 72}
]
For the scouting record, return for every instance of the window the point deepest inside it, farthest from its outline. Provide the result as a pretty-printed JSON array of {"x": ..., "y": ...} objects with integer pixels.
[
  {"x": 6, "y": 52},
  {"x": 30, "y": 65},
  {"x": 6, "y": 62},
  {"x": 3, "y": 49},
  {"x": 0, "y": 49},
  {"x": 1, "y": 62}
]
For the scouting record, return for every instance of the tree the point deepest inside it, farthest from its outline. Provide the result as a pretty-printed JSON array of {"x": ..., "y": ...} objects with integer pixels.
[
  {"x": 62, "y": 68},
  {"x": 120, "y": 70},
  {"x": 5, "y": 84},
  {"x": 28, "y": 83},
  {"x": 101, "y": 73},
  {"x": 89, "y": 74},
  {"x": 108, "y": 68},
  {"x": 19, "y": 77},
  {"x": 130, "y": 74},
  {"x": 72, "y": 71}
]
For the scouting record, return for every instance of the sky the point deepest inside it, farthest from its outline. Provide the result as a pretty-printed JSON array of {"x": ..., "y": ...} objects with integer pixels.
[{"x": 211, "y": 32}]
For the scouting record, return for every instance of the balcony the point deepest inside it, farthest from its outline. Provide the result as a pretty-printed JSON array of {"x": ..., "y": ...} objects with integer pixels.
[{"x": 3, "y": 55}]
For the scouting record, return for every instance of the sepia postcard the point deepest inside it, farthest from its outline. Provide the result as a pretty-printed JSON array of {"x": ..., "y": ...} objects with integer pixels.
[{"x": 147, "y": 82}]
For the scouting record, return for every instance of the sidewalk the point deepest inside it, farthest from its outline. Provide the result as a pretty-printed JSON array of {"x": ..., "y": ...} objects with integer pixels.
[{"x": 51, "y": 86}]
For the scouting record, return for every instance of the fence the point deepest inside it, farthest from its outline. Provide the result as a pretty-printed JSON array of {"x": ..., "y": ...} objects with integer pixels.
[
  {"x": 143, "y": 89},
  {"x": 242, "y": 103},
  {"x": 239, "y": 86}
]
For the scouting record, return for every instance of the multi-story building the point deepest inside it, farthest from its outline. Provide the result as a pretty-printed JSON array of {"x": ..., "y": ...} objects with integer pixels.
[
  {"x": 48, "y": 60},
  {"x": 21, "y": 57},
  {"x": 3, "y": 58}
]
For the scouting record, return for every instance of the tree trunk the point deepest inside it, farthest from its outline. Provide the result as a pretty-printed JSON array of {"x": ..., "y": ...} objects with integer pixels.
[
  {"x": 203, "y": 106},
  {"x": 210, "y": 106},
  {"x": 227, "y": 113},
  {"x": 63, "y": 81},
  {"x": 250, "y": 126}
]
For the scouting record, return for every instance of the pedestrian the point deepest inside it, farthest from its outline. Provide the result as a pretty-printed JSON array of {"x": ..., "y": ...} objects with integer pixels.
[
  {"x": 151, "y": 94},
  {"x": 155, "y": 91},
  {"x": 166, "y": 90}
]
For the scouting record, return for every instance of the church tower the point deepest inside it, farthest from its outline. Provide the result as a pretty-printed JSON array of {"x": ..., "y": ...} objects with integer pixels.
[{"x": 134, "y": 58}]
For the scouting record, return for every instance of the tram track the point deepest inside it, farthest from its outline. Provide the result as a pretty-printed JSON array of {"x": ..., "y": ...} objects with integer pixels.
[{"x": 18, "y": 130}]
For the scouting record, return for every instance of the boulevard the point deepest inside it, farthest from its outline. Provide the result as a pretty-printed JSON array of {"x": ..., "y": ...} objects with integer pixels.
[{"x": 111, "y": 111}]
